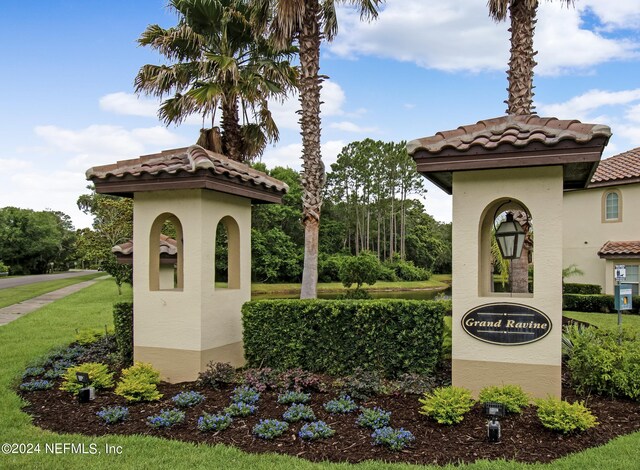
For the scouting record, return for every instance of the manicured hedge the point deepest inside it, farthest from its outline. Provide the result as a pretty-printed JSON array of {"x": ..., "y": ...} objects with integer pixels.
[
  {"x": 338, "y": 336},
  {"x": 123, "y": 325},
  {"x": 595, "y": 303},
  {"x": 585, "y": 289}
]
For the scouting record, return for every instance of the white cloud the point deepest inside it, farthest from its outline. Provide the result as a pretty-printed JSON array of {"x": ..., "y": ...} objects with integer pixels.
[
  {"x": 583, "y": 106},
  {"x": 11, "y": 165},
  {"x": 615, "y": 14},
  {"x": 129, "y": 104},
  {"x": 348, "y": 126},
  {"x": 458, "y": 35}
]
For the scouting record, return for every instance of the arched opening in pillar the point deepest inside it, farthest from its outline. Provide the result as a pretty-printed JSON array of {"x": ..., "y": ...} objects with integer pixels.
[
  {"x": 166, "y": 257},
  {"x": 506, "y": 250},
  {"x": 227, "y": 254}
]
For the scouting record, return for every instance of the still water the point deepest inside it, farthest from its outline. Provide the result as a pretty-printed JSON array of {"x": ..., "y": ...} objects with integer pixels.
[{"x": 404, "y": 294}]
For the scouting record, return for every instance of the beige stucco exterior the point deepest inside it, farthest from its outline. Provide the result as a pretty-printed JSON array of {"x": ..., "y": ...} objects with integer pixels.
[
  {"x": 180, "y": 330},
  {"x": 476, "y": 196},
  {"x": 586, "y": 230}
]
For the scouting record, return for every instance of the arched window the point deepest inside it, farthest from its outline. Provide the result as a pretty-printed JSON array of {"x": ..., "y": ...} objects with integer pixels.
[
  {"x": 166, "y": 263},
  {"x": 227, "y": 258},
  {"x": 612, "y": 206},
  {"x": 501, "y": 276}
]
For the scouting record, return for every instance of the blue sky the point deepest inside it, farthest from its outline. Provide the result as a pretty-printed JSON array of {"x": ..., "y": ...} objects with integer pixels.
[{"x": 69, "y": 65}]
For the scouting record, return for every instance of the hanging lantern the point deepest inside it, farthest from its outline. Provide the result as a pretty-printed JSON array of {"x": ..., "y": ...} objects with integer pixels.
[{"x": 510, "y": 237}]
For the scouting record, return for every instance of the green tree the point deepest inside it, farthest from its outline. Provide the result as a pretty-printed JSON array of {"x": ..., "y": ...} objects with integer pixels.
[
  {"x": 112, "y": 225},
  {"x": 308, "y": 22},
  {"x": 358, "y": 270},
  {"x": 33, "y": 242},
  {"x": 218, "y": 61}
]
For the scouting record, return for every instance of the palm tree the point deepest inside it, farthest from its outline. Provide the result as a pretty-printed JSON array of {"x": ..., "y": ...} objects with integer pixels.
[
  {"x": 521, "y": 62},
  {"x": 218, "y": 61},
  {"x": 308, "y": 22}
]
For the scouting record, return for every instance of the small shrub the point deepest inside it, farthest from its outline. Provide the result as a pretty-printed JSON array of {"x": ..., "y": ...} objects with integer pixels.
[
  {"x": 394, "y": 439},
  {"x": 362, "y": 384},
  {"x": 240, "y": 409},
  {"x": 139, "y": 383},
  {"x": 298, "y": 412},
  {"x": 32, "y": 372},
  {"x": 113, "y": 414},
  {"x": 166, "y": 418},
  {"x": 99, "y": 377},
  {"x": 358, "y": 270},
  {"x": 36, "y": 385},
  {"x": 415, "y": 384},
  {"x": 290, "y": 397},
  {"x": 373, "y": 418},
  {"x": 217, "y": 374},
  {"x": 447, "y": 405},
  {"x": 315, "y": 430},
  {"x": 299, "y": 380},
  {"x": 407, "y": 271},
  {"x": 245, "y": 394},
  {"x": 270, "y": 428},
  {"x": 216, "y": 422},
  {"x": 588, "y": 303},
  {"x": 584, "y": 289},
  {"x": 344, "y": 404},
  {"x": 511, "y": 396},
  {"x": 565, "y": 417},
  {"x": 88, "y": 336},
  {"x": 261, "y": 379},
  {"x": 188, "y": 399},
  {"x": 123, "y": 326}
]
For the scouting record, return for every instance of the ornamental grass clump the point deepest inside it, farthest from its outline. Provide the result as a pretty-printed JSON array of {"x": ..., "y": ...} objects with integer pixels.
[
  {"x": 188, "y": 399},
  {"x": 36, "y": 385},
  {"x": 113, "y": 414},
  {"x": 166, "y": 418},
  {"x": 290, "y": 397},
  {"x": 343, "y": 404},
  {"x": 139, "y": 383},
  {"x": 373, "y": 418},
  {"x": 217, "y": 422},
  {"x": 270, "y": 428},
  {"x": 315, "y": 430},
  {"x": 245, "y": 394},
  {"x": 394, "y": 439},
  {"x": 99, "y": 377},
  {"x": 565, "y": 417},
  {"x": 512, "y": 397},
  {"x": 240, "y": 409},
  {"x": 447, "y": 405},
  {"x": 298, "y": 412}
]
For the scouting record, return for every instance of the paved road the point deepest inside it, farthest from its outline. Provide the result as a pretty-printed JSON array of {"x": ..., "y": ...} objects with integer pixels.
[{"x": 24, "y": 280}]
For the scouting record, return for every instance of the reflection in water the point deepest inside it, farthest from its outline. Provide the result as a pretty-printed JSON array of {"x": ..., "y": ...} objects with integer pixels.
[{"x": 405, "y": 294}]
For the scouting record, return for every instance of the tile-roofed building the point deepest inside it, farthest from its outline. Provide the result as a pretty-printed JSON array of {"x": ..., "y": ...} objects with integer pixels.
[
  {"x": 168, "y": 251},
  {"x": 511, "y": 142},
  {"x": 625, "y": 249},
  {"x": 186, "y": 168},
  {"x": 623, "y": 168}
]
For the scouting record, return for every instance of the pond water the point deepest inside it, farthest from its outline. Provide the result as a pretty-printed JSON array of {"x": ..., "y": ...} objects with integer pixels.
[{"x": 404, "y": 294}]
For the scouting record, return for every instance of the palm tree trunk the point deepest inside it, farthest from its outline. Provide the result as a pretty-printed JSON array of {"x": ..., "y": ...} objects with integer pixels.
[
  {"x": 313, "y": 169},
  {"x": 521, "y": 63},
  {"x": 520, "y": 273},
  {"x": 232, "y": 136}
]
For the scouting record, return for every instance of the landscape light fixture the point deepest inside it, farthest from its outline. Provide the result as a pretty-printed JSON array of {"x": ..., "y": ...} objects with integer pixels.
[
  {"x": 86, "y": 393},
  {"x": 510, "y": 237},
  {"x": 494, "y": 411}
]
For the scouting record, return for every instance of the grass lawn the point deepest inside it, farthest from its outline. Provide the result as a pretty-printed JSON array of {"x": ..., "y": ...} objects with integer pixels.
[
  {"x": 13, "y": 295},
  {"x": 605, "y": 320},
  {"x": 437, "y": 281},
  {"x": 55, "y": 324}
]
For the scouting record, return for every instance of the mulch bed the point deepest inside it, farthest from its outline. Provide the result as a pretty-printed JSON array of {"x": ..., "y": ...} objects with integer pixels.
[{"x": 524, "y": 439}]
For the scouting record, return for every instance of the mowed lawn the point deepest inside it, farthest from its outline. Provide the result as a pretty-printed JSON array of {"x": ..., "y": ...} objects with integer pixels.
[{"x": 55, "y": 324}]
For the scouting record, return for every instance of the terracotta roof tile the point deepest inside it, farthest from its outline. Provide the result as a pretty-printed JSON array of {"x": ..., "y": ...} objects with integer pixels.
[
  {"x": 518, "y": 131},
  {"x": 190, "y": 160},
  {"x": 619, "y": 167},
  {"x": 620, "y": 249},
  {"x": 168, "y": 246}
]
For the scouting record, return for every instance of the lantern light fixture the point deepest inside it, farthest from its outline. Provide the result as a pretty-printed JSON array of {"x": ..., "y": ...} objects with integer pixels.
[{"x": 510, "y": 237}]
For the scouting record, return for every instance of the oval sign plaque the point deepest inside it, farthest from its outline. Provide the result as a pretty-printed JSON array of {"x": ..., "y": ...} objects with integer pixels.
[{"x": 506, "y": 324}]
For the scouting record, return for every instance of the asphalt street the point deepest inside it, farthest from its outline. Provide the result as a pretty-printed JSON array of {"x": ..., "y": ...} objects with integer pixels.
[{"x": 5, "y": 283}]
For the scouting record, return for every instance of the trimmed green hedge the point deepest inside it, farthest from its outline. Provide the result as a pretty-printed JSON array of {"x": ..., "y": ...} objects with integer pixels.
[
  {"x": 595, "y": 303},
  {"x": 338, "y": 336},
  {"x": 123, "y": 326},
  {"x": 585, "y": 289}
]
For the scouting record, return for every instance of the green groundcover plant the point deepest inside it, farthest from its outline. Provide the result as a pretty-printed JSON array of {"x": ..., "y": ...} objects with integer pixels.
[
  {"x": 139, "y": 383},
  {"x": 512, "y": 397},
  {"x": 447, "y": 405},
  {"x": 565, "y": 417},
  {"x": 99, "y": 377}
]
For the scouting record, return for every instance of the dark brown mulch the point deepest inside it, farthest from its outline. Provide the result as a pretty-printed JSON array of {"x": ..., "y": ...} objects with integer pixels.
[{"x": 524, "y": 439}]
